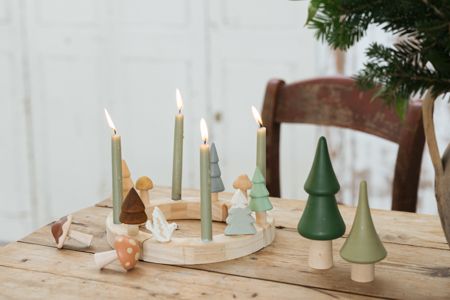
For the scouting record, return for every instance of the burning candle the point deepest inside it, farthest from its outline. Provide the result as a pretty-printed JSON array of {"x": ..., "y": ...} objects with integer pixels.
[
  {"x": 260, "y": 143},
  {"x": 116, "y": 160},
  {"x": 177, "y": 165},
  {"x": 205, "y": 185}
]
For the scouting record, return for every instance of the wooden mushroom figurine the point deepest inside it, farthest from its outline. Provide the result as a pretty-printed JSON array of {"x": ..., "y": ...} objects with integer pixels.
[
  {"x": 216, "y": 181},
  {"x": 321, "y": 221},
  {"x": 259, "y": 198},
  {"x": 127, "y": 182},
  {"x": 242, "y": 183},
  {"x": 127, "y": 250},
  {"x": 61, "y": 230},
  {"x": 133, "y": 212},
  {"x": 143, "y": 185},
  {"x": 363, "y": 248}
]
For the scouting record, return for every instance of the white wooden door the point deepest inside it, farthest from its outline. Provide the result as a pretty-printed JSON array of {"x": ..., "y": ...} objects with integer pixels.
[
  {"x": 16, "y": 202},
  {"x": 252, "y": 42}
]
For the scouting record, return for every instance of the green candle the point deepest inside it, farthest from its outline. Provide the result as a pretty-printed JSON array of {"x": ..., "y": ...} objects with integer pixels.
[
  {"x": 205, "y": 186},
  {"x": 116, "y": 160},
  {"x": 177, "y": 164},
  {"x": 260, "y": 143}
]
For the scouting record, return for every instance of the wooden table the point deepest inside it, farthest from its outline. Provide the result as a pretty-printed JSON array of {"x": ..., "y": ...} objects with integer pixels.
[{"x": 417, "y": 266}]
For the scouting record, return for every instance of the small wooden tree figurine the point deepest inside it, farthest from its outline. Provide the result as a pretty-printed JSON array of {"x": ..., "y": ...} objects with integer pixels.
[
  {"x": 259, "y": 198},
  {"x": 321, "y": 221},
  {"x": 363, "y": 248},
  {"x": 127, "y": 182},
  {"x": 242, "y": 183},
  {"x": 133, "y": 212},
  {"x": 239, "y": 220},
  {"x": 216, "y": 181}
]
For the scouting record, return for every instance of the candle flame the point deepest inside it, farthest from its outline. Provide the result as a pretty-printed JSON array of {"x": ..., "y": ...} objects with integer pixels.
[
  {"x": 179, "y": 100},
  {"x": 257, "y": 116},
  {"x": 204, "y": 130},
  {"x": 110, "y": 122}
]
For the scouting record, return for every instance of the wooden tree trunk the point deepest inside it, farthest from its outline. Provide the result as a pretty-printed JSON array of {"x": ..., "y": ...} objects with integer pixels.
[{"x": 441, "y": 166}]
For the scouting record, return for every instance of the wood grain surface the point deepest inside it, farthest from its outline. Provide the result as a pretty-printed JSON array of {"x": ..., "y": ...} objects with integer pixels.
[{"x": 417, "y": 265}]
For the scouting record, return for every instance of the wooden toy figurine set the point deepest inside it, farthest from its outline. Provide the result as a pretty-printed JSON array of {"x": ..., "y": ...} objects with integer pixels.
[
  {"x": 321, "y": 222},
  {"x": 139, "y": 228}
]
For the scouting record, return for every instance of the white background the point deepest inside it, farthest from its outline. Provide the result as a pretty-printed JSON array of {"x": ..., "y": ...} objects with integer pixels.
[{"x": 63, "y": 61}]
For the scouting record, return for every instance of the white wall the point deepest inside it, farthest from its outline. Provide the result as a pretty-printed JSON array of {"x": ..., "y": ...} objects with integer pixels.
[{"x": 62, "y": 61}]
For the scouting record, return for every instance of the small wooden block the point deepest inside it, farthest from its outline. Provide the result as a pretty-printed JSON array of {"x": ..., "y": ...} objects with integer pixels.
[{"x": 363, "y": 272}]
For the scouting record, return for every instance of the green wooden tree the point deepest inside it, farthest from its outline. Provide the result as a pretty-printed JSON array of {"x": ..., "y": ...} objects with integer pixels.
[
  {"x": 216, "y": 180},
  {"x": 321, "y": 219},
  {"x": 259, "y": 195},
  {"x": 363, "y": 248},
  {"x": 363, "y": 245}
]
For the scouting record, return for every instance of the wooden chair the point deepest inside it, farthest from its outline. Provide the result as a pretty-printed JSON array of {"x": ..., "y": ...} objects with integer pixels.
[{"x": 337, "y": 101}]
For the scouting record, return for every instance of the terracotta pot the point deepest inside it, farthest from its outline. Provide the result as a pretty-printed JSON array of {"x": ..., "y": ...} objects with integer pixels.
[{"x": 441, "y": 166}]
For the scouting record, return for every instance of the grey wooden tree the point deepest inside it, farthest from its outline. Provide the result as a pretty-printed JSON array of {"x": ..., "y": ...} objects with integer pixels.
[{"x": 216, "y": 181}]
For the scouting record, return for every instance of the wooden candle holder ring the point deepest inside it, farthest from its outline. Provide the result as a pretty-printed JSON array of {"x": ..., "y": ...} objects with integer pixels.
[{"x": 191, "y": 251}]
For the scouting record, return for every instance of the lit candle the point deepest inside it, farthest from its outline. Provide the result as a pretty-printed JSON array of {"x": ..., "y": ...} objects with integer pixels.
[
  {"x": 177, "y": 165},
  {"x": 205, "y": 185},
  {"x": 260, "y": 143},
  {"x": 116, "y": 155}
]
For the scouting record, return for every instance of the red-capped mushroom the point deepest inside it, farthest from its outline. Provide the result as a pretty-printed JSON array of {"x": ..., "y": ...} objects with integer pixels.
[
  {"x": 127, "y": 250},
  {"x": 61, "y": 230}
]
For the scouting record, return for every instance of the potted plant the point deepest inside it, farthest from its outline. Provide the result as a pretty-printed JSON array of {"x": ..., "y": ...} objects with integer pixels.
[{"x": 418, "y": 63}]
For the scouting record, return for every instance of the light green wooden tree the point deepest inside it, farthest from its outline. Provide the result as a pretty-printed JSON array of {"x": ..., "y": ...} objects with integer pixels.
[
  {"x": 363, "y": 248},
  {"x": 259, "y": 198}
]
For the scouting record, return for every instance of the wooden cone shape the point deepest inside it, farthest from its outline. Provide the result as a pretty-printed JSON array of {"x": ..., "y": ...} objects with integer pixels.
[
  {"x": 363, "y": 246},
  {"x": 259, "y": 195},
  {"x": 133, "y": 210},
  {"x": 216, "y": 180},
  {"x": 321, "y": 219}
]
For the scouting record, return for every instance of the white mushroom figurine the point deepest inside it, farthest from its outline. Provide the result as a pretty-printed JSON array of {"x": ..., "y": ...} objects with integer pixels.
[
  {"x": 61, "y": 230},
  {"x": 143, "y": 185},
  {"x": 127, "y": 250}
]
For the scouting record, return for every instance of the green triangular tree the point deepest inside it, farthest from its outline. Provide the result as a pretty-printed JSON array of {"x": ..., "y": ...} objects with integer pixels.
[
  {"x": 321, "y": 220},
  {"x": 259, "y": 195},
  {"x": 363, "y": 245},
  {"x": 216, "y": 180}
]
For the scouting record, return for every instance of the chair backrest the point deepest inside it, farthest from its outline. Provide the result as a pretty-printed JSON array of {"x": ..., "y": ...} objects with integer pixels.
[{"x": 337, "y": 101}]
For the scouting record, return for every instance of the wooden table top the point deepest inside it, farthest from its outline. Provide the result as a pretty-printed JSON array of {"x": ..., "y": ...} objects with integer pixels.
[{"x": 417, "y": 265}]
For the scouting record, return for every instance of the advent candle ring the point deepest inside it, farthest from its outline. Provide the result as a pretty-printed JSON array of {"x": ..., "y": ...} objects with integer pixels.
[{"x": 192, "y": 250}]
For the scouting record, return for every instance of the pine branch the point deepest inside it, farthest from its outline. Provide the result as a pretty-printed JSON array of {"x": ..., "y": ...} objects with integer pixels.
[{"x": 418, "y": 61}]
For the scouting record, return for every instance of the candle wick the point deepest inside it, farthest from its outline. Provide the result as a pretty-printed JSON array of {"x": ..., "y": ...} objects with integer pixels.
[
  {"x": 179, "y": 111},
  {"x": 204, "y": 142},
  {"x": 115, "y": 131},
  {"x": 261, "y": 125}
]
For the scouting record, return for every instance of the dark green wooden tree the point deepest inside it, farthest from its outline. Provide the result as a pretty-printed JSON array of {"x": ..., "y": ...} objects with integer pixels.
[{"x": 321, "y": 219}]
